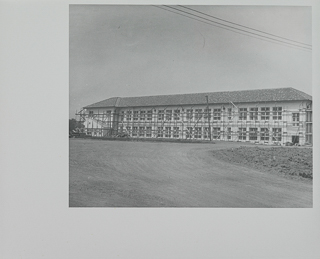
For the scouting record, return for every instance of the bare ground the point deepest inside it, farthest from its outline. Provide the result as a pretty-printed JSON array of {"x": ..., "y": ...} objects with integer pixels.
[
  {"x": 148, "y": 174},
  {"x": 293, "y": 162}
]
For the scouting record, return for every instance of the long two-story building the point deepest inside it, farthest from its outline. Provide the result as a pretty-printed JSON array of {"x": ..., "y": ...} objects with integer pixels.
[{"x": 263, "y": 116}]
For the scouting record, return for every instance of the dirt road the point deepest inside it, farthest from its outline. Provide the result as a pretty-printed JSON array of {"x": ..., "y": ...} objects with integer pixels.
[{"x": 147, "y": 174}]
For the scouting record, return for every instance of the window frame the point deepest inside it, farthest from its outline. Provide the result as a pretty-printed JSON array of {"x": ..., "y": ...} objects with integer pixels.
[{"x": 243, "y": 114}]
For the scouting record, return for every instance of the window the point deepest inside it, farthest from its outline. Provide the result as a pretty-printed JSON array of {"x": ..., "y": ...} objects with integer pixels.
[
  {"x": 168, "y": 132},
  {"x": 129, "y": 130},
  {"x": 90, "y": 113},
  {"x": 134, "y": 131},
  {"x": 198, "y": 114},
  {"x": 253, "y": 134},
  {"x": 168, "y": 115},
  {"x": 265, "y": 113},
  {"x": 149, "y": 115},
  {"x": 129, "y": 113},
  {"x": 121, "y": 115},
  {"x": 205, "y": 132},
  {"x": 277, "y": 113},
  {"x": 161, "y": 115},
  {"x": 189, "y": 132},
  {"x": 276, "y": 134},
  {"x": 189, "y": 114},
  {"x": 160, "y": 132},
  {"x": 254, "y": 114},
  {"x": 295, "y": 119},
  {"x": 197, "y": 132},
  {"x": 243, "y": 114},
  {"x": 242, "y": 134},
  {"x": 216, "y": 133},
  {"x": 176, "y": 115},
  {"x": 148, "y": 132},
  {"x": 135, "y": 115},
  {"x": 206, "y": 113},
  {"x": 142, "y": 115},
  {"x": 176, "y": 132},
  {"x": 229, "y": 133},
  {"x": 229, "y": 113},
  {"x": 141, "y": 131},
  {"x": 264, "y": 135},
  {"x": 216, "y": 114}
]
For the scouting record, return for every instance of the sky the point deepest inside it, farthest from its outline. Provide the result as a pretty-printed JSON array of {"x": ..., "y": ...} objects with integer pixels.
[{"x": 123, "y": 51}]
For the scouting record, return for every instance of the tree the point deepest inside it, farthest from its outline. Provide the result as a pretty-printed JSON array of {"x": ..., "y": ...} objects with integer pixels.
[{"x": 73, "y": 124}]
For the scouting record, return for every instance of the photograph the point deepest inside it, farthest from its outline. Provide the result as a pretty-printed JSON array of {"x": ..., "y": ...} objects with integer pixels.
[
  {"x": 185, "y": 106},
  {"x": 190, "y": 129}
]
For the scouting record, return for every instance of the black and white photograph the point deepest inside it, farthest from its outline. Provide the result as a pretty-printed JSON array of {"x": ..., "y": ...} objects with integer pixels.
[
  {"x": 190, "y": 106},
  {"x": 159, "y": 129}
]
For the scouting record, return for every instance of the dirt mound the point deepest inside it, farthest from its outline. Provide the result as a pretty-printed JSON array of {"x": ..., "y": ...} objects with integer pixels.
[{"x": 284, "y": 160}]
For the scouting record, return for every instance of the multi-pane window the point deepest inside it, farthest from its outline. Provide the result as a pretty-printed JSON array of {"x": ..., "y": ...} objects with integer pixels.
[
  {"x": 243, "y": 114},
  {"x": 197, "y": 132},
  {"x": 264, "y": 134},
  {"x": 198, "y": 114},
  {"x": 207, "y": 112},
  {"x": 265, "y": 113},
  {"x": 295, "y": 119},
  {"x": 128, "y": 130},
  {"x": 216, "y": 114},
  {"x": 229, "y": 133},
  {"x": 129, "y": 113},
  {"x": 229, "y": 113},
  {"x": 161, "y": 115},
  {"x": 168, "y": 115},
  {"x": 148, "y": 132},
  {"x": 189, "y": 114},
  {"x": 189, "y": 132},
  {"x": 216, "y": 133},
  {"x": 149, "y": 115},
  {"x": 160, "y": 132},
  {"x": 135, "y": 115},
  {"x": 142, "y": 115},
  {"x": 205, "y": 132},
  {"x": 277, "y": 113},
  {"x": 141, "y": 131},
  {"x": 253, "y": 134},
  {"x": 168, "y": 132},
  {"x": 276, "y": 134},
  {"x": 90, "y": 113},
  {"x": 134, "y": 131},
  {"x": 242, "y": 133},
  {"x": 121, "y": 115},
  {"x": 176, "y": 115},
  {"x": 254, "y": 113},
  {"x": 176, "y": 132}
]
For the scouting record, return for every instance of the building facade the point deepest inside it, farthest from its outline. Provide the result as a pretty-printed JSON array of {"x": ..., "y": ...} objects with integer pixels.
[{"x": 266, "y": 116}]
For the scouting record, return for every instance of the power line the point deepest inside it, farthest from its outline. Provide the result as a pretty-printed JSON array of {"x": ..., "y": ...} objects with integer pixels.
[
  {"x": 237, "y": 28},
  {"x": 244, "y": 26},
  {"x": 230, "y": 27}
]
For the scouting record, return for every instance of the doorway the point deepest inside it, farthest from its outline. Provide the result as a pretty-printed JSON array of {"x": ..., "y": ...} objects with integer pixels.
[{"x": 295, "y": 139}]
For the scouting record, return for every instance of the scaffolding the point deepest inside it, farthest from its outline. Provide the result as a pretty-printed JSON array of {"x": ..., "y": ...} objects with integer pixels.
[{"x": 229, "y": 122}]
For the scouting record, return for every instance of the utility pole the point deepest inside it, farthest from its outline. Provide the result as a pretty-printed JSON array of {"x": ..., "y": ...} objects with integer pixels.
[{"x": 208, "y": 117}]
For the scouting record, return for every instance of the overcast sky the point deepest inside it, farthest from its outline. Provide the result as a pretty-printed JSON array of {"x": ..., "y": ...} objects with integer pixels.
[{"x": 120, "y": 51}]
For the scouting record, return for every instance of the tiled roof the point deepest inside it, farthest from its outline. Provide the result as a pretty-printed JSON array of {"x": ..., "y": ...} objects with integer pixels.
[{"x": 262, "y": 95}]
